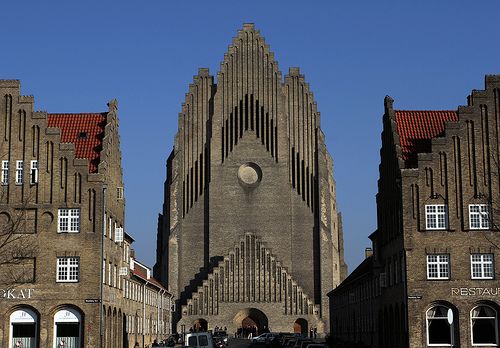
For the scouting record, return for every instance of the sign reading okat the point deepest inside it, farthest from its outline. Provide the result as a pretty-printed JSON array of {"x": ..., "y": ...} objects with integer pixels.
[
  {"x": 16, "y": 294},
  {"x": 477, "y": 291}
]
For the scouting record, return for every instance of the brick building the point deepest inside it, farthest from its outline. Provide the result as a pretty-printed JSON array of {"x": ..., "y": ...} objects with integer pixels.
[
  {"x": 250, "y": 233},
  {"x": 65, "y": 261},
  {"x": 432, "y": 279}
]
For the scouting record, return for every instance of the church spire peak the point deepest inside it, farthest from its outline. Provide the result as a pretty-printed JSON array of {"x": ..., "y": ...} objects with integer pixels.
[{"x": 248, "y": 26}]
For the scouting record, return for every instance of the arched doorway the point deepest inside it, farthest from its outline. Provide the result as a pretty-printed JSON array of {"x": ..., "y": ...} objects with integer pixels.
[
  {"x": 251, "y": 318},
  {"x": 23, "y": 328},
  {"x": 300, "y": 326},
  {"x": 200, "y": 325},
  {"x": 67, "y": 328}
]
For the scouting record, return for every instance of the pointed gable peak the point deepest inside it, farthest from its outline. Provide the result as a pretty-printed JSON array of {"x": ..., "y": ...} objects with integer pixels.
[
  {"x": 248, "y": 26},
  {"x": 248, "y": 47}
]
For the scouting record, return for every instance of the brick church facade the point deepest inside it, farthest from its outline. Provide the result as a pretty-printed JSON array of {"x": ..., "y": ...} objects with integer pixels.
[
  {"x": 433, "y": 277},
  {"x": 250, "y": 231}
]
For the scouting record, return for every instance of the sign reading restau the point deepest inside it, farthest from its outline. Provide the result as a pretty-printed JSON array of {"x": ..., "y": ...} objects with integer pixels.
[
  {"x": 16, "y": 294},
  {"x": 475, "y": 291}
]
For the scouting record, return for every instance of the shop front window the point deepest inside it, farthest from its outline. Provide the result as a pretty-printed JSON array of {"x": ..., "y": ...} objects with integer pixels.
[
  {"x": 23, "y": 329},
  {"x": 67, "y": 328},
  {"x": 484, "y": 325},
  {"x": 439, "y": 330}
]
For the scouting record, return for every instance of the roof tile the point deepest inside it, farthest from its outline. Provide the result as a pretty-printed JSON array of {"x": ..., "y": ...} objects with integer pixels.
[
  {"x": 85, "y": 131},
  {"x": 417, "y": 128}
]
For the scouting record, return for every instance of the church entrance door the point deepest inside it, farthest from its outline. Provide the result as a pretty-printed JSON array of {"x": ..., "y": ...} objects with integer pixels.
[{"x": 251, "y": 321}]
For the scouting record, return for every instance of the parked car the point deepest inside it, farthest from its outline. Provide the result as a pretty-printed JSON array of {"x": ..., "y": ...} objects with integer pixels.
[
  {"x": 200, "y": 340},
  {"x": 220, "y": 336},
  {"x": 264, "y": 338}
]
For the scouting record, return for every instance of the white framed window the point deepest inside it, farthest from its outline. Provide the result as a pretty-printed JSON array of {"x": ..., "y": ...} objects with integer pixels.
[
  {"x": 439, "y": 331},
  {"x": 436, "y": 217},
  {"x": 33, "y": 172},
  {"x": 479, "y": 216},
  {"x": 68, "y": 269},
  {"x": 438, "y": 266},
  {"x": 110, "y": 225},
  {"x": 104, "y": 271},
  {"x": 109, "y": 273},
  {"x": 119, "y": 193},
  {"x": 5, "y": 172},
  {"x": 19, "y": 172},
  {"x": 481, "y": 266},
  {"x": 484, "y": 326},
  {"x": 118, "y": 234},
  {"x": 68, "y": 220}
]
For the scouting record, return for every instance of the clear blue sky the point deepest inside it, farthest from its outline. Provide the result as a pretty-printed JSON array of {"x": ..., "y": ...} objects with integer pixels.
[{"x": 74, "y": 56}]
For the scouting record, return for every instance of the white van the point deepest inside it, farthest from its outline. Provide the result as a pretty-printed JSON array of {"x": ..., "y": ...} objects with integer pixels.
[{"x": 199, "y": 340}]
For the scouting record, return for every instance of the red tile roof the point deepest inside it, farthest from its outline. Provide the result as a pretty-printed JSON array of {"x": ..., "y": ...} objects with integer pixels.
[
  {"x": 417, "y": 128},
  {"x": 85, "y": 131},
  {"x": 142, "y": 273}
]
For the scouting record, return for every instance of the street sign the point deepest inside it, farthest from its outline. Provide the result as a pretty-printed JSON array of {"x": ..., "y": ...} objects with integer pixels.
[{"x": 92, "y": 300}]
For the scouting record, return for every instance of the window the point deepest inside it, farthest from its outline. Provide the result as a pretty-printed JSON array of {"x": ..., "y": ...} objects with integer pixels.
[
  {"x": 479, "y": 216},
  {"x": 119, "y": 192},
  {"x": 436, "y": 217},
  {"x": 110, "y": 225},
  {"x": 481, "y": 266},
  {"x": 109, "y": 273},
  {"x": 118, "y": 234},
  {"x": 104, "y": 271},
  {"x": 484, "y": 326},
  {"x": 439, "y": 331},
  {"x": 114, "y": 276},
  {"x": 5, "y": 172},
  {"x": 438, "y": 266},
  {"x": 34, "y": 172},
  {"x": 19, "y": 172},
  {"x": 69, "y": 220},
  {"x": 68, "y": 269},
  {"x": 104, "y": 228}
]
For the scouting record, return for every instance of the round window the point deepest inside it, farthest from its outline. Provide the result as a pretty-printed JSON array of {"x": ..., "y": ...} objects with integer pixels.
[{"x": 249, "y": 174}]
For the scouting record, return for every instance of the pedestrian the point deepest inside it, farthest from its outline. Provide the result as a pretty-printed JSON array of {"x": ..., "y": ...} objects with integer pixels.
[
  {"x": 311, "y": 333},
  {"x": 315, "y": 332},
  {"x": 136, "y": 345},
  {"x": 155, "y": 343}
]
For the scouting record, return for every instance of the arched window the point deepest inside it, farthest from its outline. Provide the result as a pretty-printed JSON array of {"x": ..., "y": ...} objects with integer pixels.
[
  {"x": 484, "y": 325},
  {"x": 67, "y": 328},
  {"x": 23, "y": 328},
  {"x": 439, "y": 331}
]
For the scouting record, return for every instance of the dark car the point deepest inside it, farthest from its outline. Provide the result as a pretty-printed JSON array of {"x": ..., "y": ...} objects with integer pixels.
[{"x": 220, "y": 337}]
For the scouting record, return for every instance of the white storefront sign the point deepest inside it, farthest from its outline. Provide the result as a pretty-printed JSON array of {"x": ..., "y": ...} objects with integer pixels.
[{"x": 16, "y": 294}]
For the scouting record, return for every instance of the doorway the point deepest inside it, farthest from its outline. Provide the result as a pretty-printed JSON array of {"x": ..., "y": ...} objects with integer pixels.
[{"x": 23, "y": 328}]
